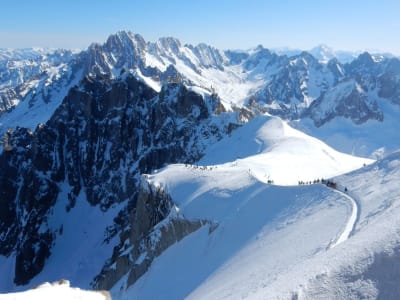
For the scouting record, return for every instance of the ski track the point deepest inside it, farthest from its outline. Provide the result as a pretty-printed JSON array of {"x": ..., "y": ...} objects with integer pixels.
[{"x": 351, "y": 223}]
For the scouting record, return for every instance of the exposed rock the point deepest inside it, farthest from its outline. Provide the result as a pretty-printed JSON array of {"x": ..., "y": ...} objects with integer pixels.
[
  {"x": 347, "y": 100},
  {"x": 103, "y": 136},
  {"x": 150, "y": 233}
]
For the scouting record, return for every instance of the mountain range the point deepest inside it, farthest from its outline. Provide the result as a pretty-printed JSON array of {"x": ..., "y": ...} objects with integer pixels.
[{"x": 162, "y": 170}]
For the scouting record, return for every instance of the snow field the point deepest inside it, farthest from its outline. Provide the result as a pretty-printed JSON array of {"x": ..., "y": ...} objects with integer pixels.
[{"x": 264, "y": 231}]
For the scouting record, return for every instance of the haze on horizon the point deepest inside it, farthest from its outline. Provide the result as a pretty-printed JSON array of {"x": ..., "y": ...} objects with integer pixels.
[{"x": 226, "y": 24}]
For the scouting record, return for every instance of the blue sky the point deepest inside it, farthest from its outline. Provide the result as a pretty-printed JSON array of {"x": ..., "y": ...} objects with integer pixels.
[{"x": 347, "y": 25}]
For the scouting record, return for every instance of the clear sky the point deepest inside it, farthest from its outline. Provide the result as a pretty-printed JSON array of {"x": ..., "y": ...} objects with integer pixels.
[{"x": 234, "y": 24}]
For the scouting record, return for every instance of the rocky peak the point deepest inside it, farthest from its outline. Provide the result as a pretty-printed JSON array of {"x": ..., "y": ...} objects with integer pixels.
[
  {"x": 364, "y": 63},
  {"x": 158, "y": 226},
  {"x": 124, "y": 41},
  {"x": 389, "y": 81},
  {"x": 347, "y": 100},
  {"x": 169, "y": 45},
  {"x": 209, "y": 57},
  {"x": 103, "y": 136},
  {"x": 35, "y": 76},
  {"x": 259, "y": 56},
  {"x": 323, "y": 53},
  {"x": 305, "y": 60},
  {"x": 236, "y": 57},
  {"x": 123, "y": 50}
]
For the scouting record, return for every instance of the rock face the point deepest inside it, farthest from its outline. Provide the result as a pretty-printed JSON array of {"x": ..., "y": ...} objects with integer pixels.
[
  {"x": 155, "y": 225},
  {"x": 306, "y": 88},
  {"x": 102, "y": 137},
  {"x": 348, "y": 100}
]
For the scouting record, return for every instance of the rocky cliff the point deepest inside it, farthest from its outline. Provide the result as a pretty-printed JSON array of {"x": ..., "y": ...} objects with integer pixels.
[{"x": 102, "y": 137}]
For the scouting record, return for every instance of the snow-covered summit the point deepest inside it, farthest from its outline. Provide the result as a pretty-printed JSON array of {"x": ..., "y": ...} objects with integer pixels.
[
  {"x": 268, "y": 149},
  {"x": 321, "y": 52}
]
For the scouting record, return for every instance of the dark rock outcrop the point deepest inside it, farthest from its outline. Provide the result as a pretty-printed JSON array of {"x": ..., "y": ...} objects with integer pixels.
[
  {"x": 154, "y": 225},
  {"x": 102, "y": 137}
]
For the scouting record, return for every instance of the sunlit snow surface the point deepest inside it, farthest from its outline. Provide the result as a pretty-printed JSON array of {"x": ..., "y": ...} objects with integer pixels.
[
  {"x": 49, "y": 291},
  {"x": 270, "y": 241},
  {"x": 269, "y": 149}
]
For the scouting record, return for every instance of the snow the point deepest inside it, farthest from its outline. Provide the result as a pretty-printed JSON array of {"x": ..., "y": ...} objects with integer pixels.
[
  {"x": 269, "y": 149},
  {"x": 251, "y": 221},
  {"x": 321, "y": 52},
  {"x": 152, "y": 61},
  {"x": 60, "y": 291},
  {"x": 7, "y": 267},
  {"x": 156, "y": 86},
  {"x": 274, "y": 242},
  {"x": 79, "y": 251},
  {"x": 366, "y": 139},
  {"x": 28, "y": 116},
  {"x": 351, "y": 223},
  {"x": 264, "y": 233},
  {"x": 232, "y": 83}
]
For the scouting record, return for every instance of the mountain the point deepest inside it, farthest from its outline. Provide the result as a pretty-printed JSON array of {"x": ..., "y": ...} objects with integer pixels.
[
  {"x": 27, "y": 74},
  {"x": 33, "y": 82},
  {"x": 269, "y": 157},
  {"x": 257, "y": 80},
  {"x": 276, "y": 241},
  {"x": 93, "y": 149},
  {"x": 324, "y": 53},
  {"x": 118, "y": 159}
]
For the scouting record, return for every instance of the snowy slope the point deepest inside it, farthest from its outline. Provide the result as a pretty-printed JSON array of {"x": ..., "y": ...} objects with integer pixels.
[
  {"x": 61, "y": 291},
  {"x": 373, "y": 139},
  {"x": 35, "y": 109},
  {"x": 80, "y": 250},
  {"x": 258, "y": 225},
  {"x": 269, "y": 149},
  {"x": 364, "y": 266},
  {"x": 33, "y": 83},
  {"x": 250, "y": 242},
  {"x": 203, "y": 68}
]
